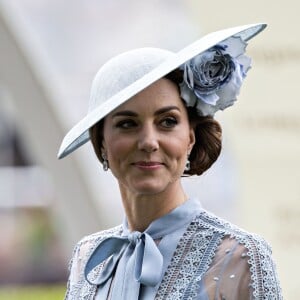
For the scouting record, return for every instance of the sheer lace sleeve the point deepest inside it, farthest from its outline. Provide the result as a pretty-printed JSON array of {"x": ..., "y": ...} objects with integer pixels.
[{"x": 238, "y": 272}]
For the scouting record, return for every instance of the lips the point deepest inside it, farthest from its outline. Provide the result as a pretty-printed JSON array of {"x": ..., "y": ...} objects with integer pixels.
[{"x": 148, "y": 164}]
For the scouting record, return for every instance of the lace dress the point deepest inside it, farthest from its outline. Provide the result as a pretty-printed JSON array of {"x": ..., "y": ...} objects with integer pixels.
[{"x": 187, "y": 254}]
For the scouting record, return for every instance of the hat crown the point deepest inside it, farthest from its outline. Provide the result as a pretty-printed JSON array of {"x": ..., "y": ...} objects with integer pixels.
[{"x": 123, "y": 70}]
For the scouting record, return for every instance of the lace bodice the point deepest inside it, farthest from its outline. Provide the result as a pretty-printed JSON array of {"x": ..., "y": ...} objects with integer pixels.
[{"x": 212, "y": 259}]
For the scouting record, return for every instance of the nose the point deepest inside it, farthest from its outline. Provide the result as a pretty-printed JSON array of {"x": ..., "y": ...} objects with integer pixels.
[{"x": 148, "y": 139}]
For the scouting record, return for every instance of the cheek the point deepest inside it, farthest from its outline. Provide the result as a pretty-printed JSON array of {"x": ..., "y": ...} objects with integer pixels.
[
  {"x": 177, "y": 149},
  {"x": 118, "y": 149}
]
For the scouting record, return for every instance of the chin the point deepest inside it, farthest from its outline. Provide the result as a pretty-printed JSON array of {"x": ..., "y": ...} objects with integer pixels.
[{"x": 150, "y": 188}]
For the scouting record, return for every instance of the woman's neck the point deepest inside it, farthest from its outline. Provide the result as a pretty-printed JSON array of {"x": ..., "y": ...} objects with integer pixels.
[{"x": 141, "y": 210}]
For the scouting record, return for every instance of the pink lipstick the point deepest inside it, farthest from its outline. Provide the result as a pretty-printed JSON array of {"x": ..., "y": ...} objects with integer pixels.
[{"x": 148, "y": 165}]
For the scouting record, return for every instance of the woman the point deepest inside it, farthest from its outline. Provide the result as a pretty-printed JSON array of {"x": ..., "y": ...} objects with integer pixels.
[{"x": 150, "y": 122}]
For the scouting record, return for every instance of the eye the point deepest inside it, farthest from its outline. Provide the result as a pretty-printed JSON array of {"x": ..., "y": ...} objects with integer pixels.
[
  {"x": 126, "y": 124},
  {"x": 169, "y": 122}
]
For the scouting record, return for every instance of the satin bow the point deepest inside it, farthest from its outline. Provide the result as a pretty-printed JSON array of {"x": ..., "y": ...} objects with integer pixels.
[{"x": 148, "y": 261}]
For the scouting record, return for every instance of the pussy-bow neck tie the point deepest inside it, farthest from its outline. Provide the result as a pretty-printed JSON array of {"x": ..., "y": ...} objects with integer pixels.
[
  {"x": 143, "y": 253},
  {"x": 134, "y": 258}
]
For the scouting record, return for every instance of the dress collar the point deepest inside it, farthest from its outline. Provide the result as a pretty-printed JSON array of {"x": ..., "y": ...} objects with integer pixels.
[{"x": 170, "y": 222}]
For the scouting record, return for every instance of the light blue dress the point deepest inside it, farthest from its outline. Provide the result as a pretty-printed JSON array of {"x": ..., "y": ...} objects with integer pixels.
[{"x": 186, "y": 254}]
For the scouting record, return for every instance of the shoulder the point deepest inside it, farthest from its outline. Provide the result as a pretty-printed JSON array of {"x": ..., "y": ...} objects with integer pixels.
[
  {"x": 217, "y": 224},
  {"x": 249, "y": 253},
  {"x": 89, "y": 242},
  {"x": 81, "y": 253}
]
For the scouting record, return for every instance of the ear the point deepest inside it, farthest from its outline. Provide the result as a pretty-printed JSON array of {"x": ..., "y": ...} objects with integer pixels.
[
  {"x": 192, "y": 139},
  {"x": 103, "y": 146}
]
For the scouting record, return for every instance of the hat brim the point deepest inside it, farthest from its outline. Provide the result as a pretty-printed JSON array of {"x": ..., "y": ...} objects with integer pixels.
[{"x": 79, "y": 134}]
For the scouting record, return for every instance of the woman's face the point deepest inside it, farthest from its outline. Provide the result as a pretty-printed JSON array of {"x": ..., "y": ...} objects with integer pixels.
[{"x": 148, "y": 138}]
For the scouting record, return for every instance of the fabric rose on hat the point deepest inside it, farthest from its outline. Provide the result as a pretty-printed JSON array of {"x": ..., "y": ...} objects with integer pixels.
[{"x": 212, "y": 79}]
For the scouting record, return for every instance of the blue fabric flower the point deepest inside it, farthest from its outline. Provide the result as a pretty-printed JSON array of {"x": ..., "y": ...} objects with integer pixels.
[{"x": 212, "y": 79}]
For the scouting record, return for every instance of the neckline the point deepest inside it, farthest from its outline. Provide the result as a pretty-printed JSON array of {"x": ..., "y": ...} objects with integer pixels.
[{"x": 170, "y": 222}]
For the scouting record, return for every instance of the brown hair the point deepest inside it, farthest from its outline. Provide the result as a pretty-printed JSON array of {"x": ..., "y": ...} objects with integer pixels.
[
  {"x": 208, "y": 144},
  {"x": 208, "y": 134}
]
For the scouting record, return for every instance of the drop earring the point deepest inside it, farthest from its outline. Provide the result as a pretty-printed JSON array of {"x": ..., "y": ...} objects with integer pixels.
[
  {"x": 187, "y": 164},
  {"x": 105, "y": 162}
]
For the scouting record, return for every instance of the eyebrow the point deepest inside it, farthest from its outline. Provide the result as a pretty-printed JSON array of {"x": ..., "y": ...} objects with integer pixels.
[
  {"x": 166, "y": 109},
  {"x": 130, "y": 113}
]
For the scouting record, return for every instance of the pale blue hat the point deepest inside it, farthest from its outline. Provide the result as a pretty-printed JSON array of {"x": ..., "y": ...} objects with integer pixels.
[{"x": 127, "y": 74}]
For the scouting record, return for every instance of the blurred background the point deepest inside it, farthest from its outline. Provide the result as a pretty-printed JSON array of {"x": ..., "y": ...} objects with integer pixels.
[{"x": 49, "y": 54}]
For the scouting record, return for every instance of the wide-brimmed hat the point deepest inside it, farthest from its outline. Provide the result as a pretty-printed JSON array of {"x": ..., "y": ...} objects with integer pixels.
[{"x": 129, "y": 73}]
